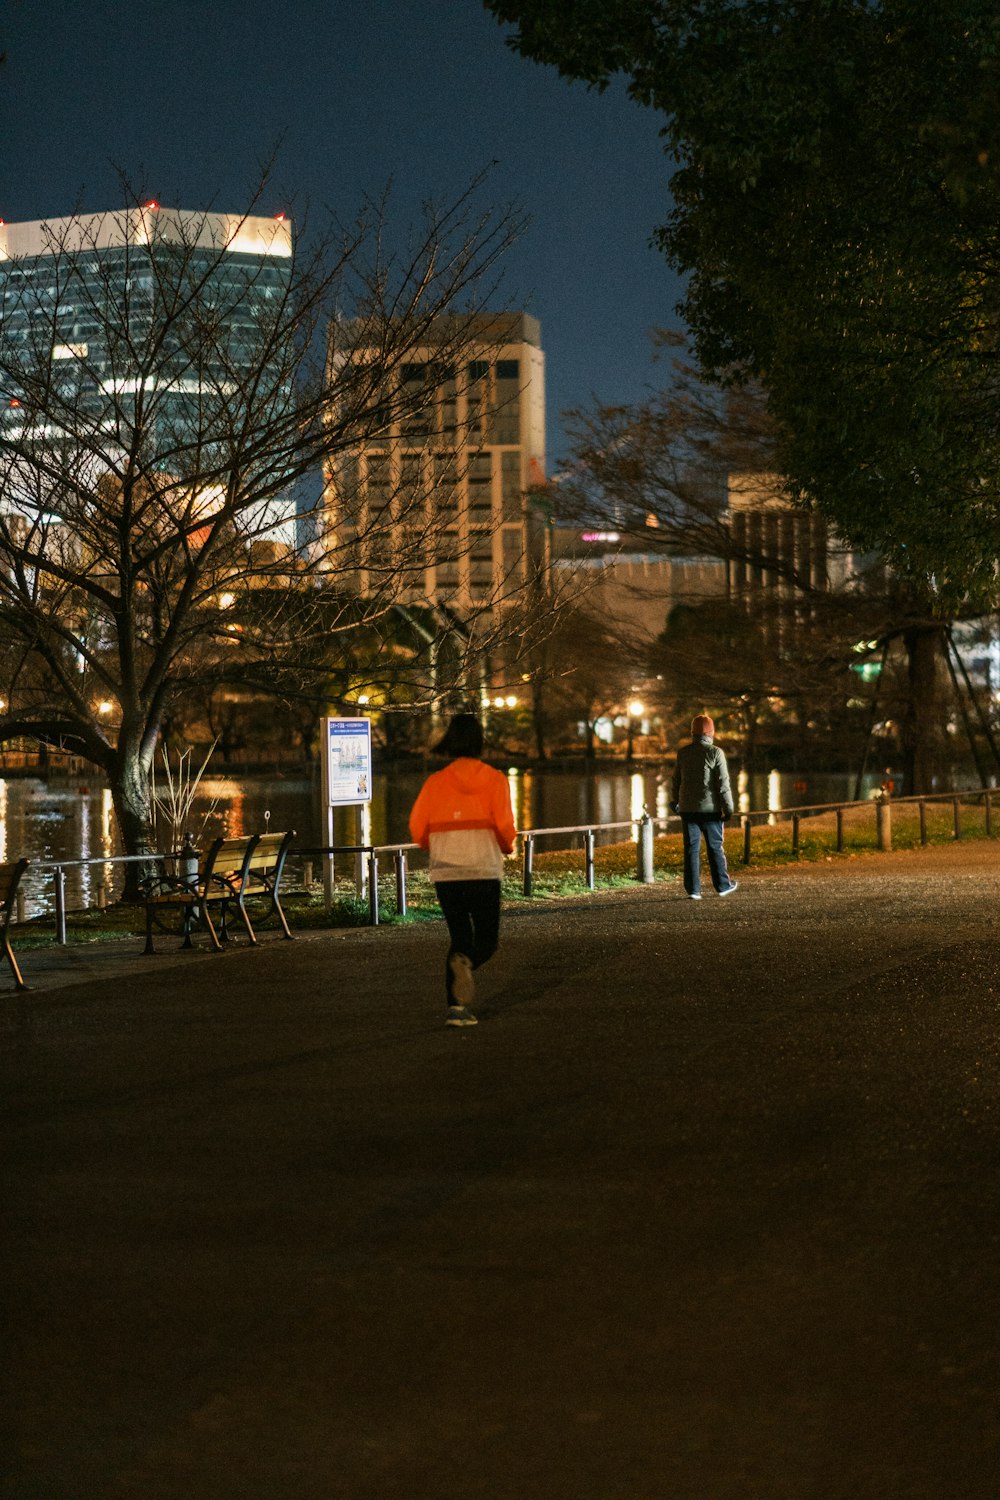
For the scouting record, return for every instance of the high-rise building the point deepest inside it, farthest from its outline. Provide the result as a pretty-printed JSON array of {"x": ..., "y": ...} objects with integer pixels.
[
  {"x": 144, "y": 321},
  {"x": 98, "y": 277},
  {"x": 445, "y": 493}
]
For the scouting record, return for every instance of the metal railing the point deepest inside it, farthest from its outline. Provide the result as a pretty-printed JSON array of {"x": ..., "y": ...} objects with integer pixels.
[
  {"x": 59, "y": 868},
  {"x": 644, "y": 828},
  {"x": 370, "y": 854},
  {"x": 644, "y": 869},
  {"x": 882, "y": 806}
]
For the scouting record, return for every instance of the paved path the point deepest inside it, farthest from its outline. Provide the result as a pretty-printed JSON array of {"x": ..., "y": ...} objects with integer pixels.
[{"x": 704, "y": 1209}]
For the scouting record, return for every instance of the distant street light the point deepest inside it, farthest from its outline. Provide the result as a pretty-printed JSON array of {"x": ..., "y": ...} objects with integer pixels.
[{"x": 635, "y": 713}]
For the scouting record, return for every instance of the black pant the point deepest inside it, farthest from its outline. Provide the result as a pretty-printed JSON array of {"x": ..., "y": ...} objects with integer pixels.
[{"x": 472, "y": 911}]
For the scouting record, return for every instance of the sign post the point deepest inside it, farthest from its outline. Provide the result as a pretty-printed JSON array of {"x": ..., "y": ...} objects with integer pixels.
[{"x": 346, "y": 762}]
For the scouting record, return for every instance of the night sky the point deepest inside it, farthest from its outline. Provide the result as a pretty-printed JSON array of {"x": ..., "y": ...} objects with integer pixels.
[{"x": 189, "y": 97}]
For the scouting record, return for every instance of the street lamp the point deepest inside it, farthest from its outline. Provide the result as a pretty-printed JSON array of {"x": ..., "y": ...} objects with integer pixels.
[{"x": 635, "y": 713}]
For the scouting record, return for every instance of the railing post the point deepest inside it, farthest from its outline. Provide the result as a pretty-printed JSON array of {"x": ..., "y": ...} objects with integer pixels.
[
  {"x": 19, "y": 906},
  {"x": 923, "y": 821},
  {"x": 840, "y": 830},
  {"x": 529, "y": 862},
  {"x": 795, "y": 835},
  {"x": 644, "y": 850},
  {"x": 401, "y": 882},
  {"x": 957, "y": 816},
  {"x": 59, "y": 876},
  {"x": 747, "y": 831},
  {"x": 883, "y": 824},
  {"x": 307, "y": 874},
  {"x": 372, "y": 888},
  {"x": 588, "y": 847}
]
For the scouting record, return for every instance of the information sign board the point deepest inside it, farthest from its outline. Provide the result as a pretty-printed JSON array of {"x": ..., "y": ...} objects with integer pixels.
[{"x": 347, "y": 761}]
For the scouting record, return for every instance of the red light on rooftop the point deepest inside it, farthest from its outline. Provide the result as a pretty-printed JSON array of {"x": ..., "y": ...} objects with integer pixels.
[
  {"x": 280, "y": 218},
  {"x": 152, "y": 203},
  {"x": 13, "y": 401}
]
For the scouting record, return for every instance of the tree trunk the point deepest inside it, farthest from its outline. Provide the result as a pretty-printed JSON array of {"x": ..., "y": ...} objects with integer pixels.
[
  {"x": 924, "y": 715},
  {"x": 539, "y": 720},
  {"x": 130, "y": 792},
  {"x": 750, "y": 741}
]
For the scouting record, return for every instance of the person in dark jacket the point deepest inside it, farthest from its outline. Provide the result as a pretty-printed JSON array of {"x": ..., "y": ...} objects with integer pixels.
[{"x": 701, "y": 793}]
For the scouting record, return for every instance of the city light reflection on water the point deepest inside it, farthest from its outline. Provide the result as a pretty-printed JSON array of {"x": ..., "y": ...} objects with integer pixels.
[{"x": 75, "y": 820}]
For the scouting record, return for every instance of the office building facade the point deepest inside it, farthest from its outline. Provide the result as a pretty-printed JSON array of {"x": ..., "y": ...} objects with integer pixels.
[
  {"x": 146, "y": 320},
  {"x": 445, "y": 493}
]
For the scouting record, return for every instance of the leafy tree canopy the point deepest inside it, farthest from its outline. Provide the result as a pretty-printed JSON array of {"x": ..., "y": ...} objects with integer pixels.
[{"x": 836, "y": 186}]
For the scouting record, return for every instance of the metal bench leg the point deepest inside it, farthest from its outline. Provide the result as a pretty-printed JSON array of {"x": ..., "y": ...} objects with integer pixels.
[
  {"x": 246, "y": 921},
  {"x": 209, "y": 928},
  {"x": 286, "y": 930},
  {"x": 9, "y": 953}
]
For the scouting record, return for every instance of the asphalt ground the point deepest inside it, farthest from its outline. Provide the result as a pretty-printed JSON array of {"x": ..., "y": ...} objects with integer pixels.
[{"x": 705, "y": 1208}]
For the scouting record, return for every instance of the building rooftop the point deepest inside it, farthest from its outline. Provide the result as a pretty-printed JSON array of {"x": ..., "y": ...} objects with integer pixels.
[{"x": 250, "y": 234}]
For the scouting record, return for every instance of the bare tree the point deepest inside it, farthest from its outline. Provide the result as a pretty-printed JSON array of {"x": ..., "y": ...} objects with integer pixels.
[
  {"x": 657, "y": 471},
  {"x": 775, "y": 646},
  {"x": 168, "y": 397}
]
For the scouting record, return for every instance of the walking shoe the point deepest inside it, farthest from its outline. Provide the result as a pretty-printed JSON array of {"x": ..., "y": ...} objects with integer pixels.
[
  {"x": 460, "y": 1015},
  {"x": 463, "y": 986},
  {"x": 693, "y": 896},
  {"x": 730, "y": 888}
]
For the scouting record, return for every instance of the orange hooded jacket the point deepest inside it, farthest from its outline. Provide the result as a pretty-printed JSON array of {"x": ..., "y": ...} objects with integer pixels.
[{"x": 463, "y": 818}]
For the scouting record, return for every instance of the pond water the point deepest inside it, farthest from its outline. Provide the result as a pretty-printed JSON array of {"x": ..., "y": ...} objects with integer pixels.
[{"x": 73, "y": 819}]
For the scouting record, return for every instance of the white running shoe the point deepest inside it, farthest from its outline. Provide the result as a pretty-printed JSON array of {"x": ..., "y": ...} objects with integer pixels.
[{"x": 458, "y": 1015}]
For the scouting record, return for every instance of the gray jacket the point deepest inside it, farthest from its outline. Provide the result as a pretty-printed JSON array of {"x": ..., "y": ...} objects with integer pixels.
[{"x": 701, "y": 780}]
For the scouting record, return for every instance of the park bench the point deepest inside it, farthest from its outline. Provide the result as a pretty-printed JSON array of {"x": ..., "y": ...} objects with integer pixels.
[
  {"x": 231, "y": 873},
  {"x": 10, "y": 879}
]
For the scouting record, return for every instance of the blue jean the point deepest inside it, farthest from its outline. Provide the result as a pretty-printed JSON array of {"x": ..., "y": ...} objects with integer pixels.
[{"x": 696, "y": 824}]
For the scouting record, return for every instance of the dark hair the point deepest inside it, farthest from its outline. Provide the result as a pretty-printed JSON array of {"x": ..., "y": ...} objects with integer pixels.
[{"x": 464, "y": 736}]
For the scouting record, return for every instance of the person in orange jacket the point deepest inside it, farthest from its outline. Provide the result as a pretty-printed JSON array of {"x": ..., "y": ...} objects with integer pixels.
[{"x": 463, "y": 818}]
